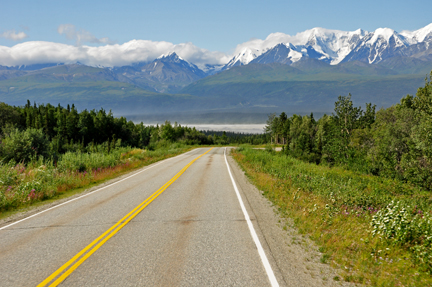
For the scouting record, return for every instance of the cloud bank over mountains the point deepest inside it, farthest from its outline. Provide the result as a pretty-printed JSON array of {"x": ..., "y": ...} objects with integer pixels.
[{"x": 110, "y": 55}]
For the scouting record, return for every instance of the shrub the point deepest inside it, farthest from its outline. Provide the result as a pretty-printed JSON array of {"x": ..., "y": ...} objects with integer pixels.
[
  {"x": 24, "y": 145},
  {"x": 407, "y": 226}
]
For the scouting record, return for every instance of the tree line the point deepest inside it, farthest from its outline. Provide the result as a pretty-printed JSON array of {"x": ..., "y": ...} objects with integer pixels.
[
  {"x": 395, "y": 142},
  {"x": 226, "y": 137},
  {"x": 47, "y": 130}
]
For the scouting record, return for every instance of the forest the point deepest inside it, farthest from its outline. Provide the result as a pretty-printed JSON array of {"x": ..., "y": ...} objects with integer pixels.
[
  {"x": 395, "y": 142},
  {"x": 49, "y": 131}
]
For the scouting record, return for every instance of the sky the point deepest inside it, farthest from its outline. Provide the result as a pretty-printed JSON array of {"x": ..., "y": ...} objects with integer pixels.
[{"x": 202, "y": 30}]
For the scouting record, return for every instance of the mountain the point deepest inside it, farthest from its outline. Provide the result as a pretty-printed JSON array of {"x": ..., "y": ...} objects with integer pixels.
[
  {"x": 210, "y": 69},
  {"x": 120, "y": 97},
  {"x": 421, "y": 35},
  {"x": 288, "y": 54},
  {"x": 408, "y": 65},
  {"x": 318, "y": 43},
  {"x": 334, "y": 47},
  {"x": 62, "y": 74},
  {"x": 166, "y": 74},
  {"x": 377, "y": 46},
  {"x": 242, "y": 58},
  {"x": 33, "y": 67},
  {"x": 301, "y": 89},
  {"x": 306, "y": 85}
]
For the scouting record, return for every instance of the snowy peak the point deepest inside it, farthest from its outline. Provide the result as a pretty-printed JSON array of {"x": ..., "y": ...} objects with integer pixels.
[
  {"x": 287, "y": 53},
  {"x": 420, "y": 35},
  {"x": 335, "y": 46},
  {"x": 174, "y": 59},
  {"x": 385, "y": 36},
  {"x": 379, "y": 45},
  {"x": 242, "y": 58}
]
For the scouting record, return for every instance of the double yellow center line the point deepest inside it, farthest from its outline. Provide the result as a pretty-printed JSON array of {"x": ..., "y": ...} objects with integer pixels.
[{"x": 60, "y": 274}]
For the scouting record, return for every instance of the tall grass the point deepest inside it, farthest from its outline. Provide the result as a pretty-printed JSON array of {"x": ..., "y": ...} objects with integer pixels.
[
  {"x": 376, "y": 229},
  {"x": 21, "y": 185}
]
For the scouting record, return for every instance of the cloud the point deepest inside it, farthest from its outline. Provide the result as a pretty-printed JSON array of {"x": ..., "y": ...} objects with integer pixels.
[
  {"x": 276, "y": 38},
  {"x": 80, "y": 36},
  {"x": 12, "y": 35},
  {"x": 110, "y": 55}
]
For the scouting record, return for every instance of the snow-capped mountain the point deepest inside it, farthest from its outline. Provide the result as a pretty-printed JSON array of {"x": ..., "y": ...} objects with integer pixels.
[
  {"x": 172, "y": 60},
  {"x": 421, "y": 35},
  {"x": 334, "y": 46},
  {"x": 288, "y": 54},
  {"x": 242, "y": 58},
  {"x": 210, "y": 69},
  {"x": 383, "y": 51},
  {"x": 167, "y": 73},
  {"x": 377, "y": 46}
]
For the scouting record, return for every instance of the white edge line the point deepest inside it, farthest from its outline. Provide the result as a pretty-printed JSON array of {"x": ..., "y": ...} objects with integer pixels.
[
  {"x": 69, "y": 201},
  {"x": 255, "y": 238}
]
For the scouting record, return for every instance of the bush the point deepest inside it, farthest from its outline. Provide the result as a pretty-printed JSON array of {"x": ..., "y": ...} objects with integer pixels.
[
  {"x": 406, "y": 226},
  {"x": 77, "y": 161},
  {"x": 22, "y": 146}
]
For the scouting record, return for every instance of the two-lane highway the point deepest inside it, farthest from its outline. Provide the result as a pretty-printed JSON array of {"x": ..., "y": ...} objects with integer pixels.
[{"x": 176, "y": 223}]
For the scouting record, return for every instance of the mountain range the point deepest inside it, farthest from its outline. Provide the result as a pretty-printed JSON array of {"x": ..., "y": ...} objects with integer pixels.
[
  {"x": 303, "y": 72},
  {"x": 334, "y": 47}
]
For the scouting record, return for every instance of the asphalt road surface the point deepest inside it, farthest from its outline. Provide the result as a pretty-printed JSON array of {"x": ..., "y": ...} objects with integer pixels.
[{"x": 191, "y": 231}]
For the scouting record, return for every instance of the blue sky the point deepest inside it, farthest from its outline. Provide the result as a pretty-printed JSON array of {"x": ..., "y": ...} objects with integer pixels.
[
  {"x": 216, "y": 26},
  {"x": 213, "y": 25}
]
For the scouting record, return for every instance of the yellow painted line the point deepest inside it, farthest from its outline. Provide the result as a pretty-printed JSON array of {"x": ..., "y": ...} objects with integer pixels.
[{"x": 109, "y": 233}]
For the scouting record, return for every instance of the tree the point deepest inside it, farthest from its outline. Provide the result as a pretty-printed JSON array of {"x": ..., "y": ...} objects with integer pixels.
[
  {"x": 167, "y": 132},
  {"x": 269, "y": 128},
  {"x": 8, "y": 115},
  {"x": 346, "y": 115}
]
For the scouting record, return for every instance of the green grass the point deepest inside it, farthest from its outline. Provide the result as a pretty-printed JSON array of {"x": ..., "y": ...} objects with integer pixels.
[{"x": 337, "y": 209}]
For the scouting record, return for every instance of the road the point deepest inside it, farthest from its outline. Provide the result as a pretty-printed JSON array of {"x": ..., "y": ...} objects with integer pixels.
[{"x": 194, "y": 233}]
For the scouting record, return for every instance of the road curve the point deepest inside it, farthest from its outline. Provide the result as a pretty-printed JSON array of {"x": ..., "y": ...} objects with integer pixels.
[{"x": 192, "y": 234}]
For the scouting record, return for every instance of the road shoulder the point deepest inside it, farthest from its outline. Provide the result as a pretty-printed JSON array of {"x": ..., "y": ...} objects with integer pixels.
[{"x": 295, "y": 259}]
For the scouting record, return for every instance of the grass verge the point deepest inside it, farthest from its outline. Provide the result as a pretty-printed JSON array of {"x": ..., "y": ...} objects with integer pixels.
[
  {"x": 336, "y": 208},
  {"x": 41, "y": 182}
]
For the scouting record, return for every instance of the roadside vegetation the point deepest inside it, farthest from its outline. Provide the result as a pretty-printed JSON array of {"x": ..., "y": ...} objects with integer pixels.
[
  {"x": 394, "y": 143},
  {"x": 46, "y": 150},
  {"x": 359, "y": 184}
]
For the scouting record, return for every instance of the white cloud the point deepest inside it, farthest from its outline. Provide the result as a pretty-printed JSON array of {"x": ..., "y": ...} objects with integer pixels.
[
  {"x": 13, "y": 35},
  {"x": 110, "y": 55},
  {"x": 80, "y": 36},
  {"x": 262, "y": 45}
]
